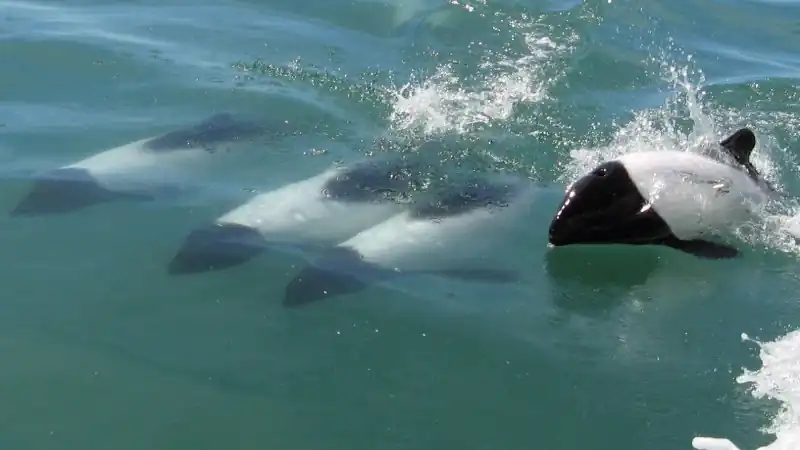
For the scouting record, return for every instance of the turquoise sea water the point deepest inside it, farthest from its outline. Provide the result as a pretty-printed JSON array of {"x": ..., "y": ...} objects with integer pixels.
[{"x": 605, "y": 348}]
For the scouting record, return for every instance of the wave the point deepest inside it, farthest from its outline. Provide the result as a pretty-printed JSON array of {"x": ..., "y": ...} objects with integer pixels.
[{"x": 778, "y": 379}]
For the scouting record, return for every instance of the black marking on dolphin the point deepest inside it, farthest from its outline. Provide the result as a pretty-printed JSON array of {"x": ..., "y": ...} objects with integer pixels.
[
  {"x": 376, "y": 181},
  {"x": 216, "y": 129},
  {"x": 67, "y": 190},
  {"x": 605, "y": 207},
  {"x": 476, "y": 194}
]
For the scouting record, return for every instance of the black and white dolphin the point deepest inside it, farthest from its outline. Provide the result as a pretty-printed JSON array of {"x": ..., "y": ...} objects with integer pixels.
[
  {"x": 448, "y": 235},
  {"x": 318, "y": 212},
  {"x": 672, "y": 198},
  {"x": 135, "y": 171}
]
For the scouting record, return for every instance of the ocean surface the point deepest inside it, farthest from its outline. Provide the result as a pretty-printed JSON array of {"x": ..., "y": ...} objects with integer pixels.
[{"x": 592, "y": 348}]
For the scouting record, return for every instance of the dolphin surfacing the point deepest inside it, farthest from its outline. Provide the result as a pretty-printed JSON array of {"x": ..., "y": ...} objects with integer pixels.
[
  {"x": 445, "y": 237},
  {"x": 121, "y": 173},
  {"x": 676, "y": 199},
  {"x": 318, "y": 212}
]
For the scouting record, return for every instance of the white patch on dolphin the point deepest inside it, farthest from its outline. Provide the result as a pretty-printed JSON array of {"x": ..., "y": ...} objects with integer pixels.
[
  {"x": 138, "y": 170},
  {"x": 448, "y": 236},
  {"x": 677, "y": 199},
  {"x": 318, "y": 212}
]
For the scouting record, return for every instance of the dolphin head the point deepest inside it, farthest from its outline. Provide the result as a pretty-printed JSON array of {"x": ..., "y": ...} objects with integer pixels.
[
  {"x": 63, "y": 191},
  {"x": 605, "y": 206},
  {"x": 216, "y": 247}
]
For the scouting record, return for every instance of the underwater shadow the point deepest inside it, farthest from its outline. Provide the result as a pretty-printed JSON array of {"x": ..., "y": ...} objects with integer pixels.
[{"x": 594, "y": 280}]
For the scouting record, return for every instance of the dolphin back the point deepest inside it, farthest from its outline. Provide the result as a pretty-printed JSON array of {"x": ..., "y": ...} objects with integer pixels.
[
  {"x": 219, "y": 128},
  {"x": 374, "y": 181},
  {"x": 474, "y": 194}
]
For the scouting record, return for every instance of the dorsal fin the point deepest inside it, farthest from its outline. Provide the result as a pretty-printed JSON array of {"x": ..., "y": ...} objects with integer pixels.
[{"x": 740, "y": 146}]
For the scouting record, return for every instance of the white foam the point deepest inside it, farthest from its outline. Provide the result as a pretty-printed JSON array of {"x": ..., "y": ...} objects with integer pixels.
[
  {"x": 446, "y": 102},
  {"x": 778, "y": 379},
  {"x": 656, "y": 130}
]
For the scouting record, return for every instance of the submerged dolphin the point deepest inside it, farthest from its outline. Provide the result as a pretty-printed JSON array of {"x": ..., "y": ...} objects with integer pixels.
[
  {"x": 671, "y": 198},
  {"x": 317, "y": 212},
  {"x": 447, "y": 236},
  {"x": 127, "y": 172}
]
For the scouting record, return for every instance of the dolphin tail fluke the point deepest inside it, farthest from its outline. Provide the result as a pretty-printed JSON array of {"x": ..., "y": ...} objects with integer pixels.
[
  {"x": 67, "y": 190},
  {"x": 703, "y": 249},
  {"x": 216, "y": 247}
]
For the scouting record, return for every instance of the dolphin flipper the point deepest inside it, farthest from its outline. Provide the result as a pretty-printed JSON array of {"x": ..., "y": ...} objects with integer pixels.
[
  {"x": 703, "y": 249},
  {"x": 219, "y": 246}
]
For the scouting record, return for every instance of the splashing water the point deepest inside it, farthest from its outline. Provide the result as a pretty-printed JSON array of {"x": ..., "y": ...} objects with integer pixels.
[
  {"x": 778, "y": 379},
  {"x": 660, "y": 130},
  {"x": 445, "y": 103},
  {"x": 666, "y": 129},
  {"x": 689, "y": 121}
]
